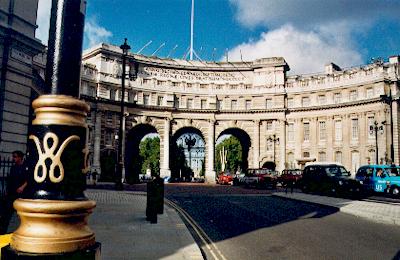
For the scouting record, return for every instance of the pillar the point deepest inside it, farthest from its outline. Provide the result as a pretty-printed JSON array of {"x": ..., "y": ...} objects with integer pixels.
[
  {"x": 282, "y": 145},
  {"x": 256, "y": 142},
  {"x": 97, "y": 141},
  {"x": 210, "y": 172},
  {"x": 165, "y": 170}
]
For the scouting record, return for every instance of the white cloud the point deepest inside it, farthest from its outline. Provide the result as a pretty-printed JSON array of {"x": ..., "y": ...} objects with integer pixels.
[
  {"x": 304, "y": 51},
  {"x": 309, "y": 33},
  {"x": 302, "y": 13},
  {"x": 43, "y": 20},
  {"x": 95, "y": 33}
]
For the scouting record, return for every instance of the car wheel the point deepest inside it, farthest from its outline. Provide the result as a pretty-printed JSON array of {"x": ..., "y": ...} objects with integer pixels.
[{"x": 395, "y": 191}]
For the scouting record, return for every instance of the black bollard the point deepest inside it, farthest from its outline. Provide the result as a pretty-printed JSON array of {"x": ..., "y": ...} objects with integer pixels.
[
  {"x": 151, "y": 210},
  {"x": 159, "y": 194}
]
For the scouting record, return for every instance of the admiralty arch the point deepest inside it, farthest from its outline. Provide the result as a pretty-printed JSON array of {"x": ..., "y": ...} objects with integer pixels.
[{"x": 346, "y": 115}]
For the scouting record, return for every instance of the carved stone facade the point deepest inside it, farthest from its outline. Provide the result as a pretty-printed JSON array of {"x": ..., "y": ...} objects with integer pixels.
[{"x": 324, "y": 116}]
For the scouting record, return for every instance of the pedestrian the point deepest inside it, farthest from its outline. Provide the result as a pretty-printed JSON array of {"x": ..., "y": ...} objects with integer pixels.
[
  {"x": 16, "y": 185},
  {"x": 94, "y": 176}
]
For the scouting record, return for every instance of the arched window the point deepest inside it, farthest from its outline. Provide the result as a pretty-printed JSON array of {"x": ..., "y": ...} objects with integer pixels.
[{"x": 338, "y": 156}]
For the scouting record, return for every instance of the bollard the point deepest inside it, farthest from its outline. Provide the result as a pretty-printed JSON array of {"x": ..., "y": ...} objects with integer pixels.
[
  {"x": 151, "y": 210},
  {"x": 159, "y": 194}
]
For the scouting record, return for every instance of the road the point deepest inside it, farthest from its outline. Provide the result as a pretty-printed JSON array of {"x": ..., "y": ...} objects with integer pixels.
[{"x": 252, "y": 224}]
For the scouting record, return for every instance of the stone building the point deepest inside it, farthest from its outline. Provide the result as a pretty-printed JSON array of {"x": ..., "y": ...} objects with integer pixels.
[
  {"x": 324, "y": 117},
  {"x": 20, "y": 63}
]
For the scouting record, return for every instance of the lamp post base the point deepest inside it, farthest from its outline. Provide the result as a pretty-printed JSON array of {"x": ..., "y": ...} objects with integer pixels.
[{"x": 90, "y": 253}]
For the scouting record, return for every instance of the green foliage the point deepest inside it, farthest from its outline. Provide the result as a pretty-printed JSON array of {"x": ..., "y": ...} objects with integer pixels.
[
  {"x": 234, "y": 154},
  {"x": 149, "y": 151}
]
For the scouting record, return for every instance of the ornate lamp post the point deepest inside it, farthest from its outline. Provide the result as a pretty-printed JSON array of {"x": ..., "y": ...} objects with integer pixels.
[
  {"x": 54, "y": 213},
  {"x": 120, "y": 166},
  {"x": 389, "y": 100},
  {"x": 190, "y": 141},
  {"x": 274, "y": 140},
  {"x": 374, "y": 129}
]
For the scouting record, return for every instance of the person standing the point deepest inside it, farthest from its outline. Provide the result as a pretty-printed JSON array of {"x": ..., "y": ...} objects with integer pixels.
[{"x": 16, "y": 184}]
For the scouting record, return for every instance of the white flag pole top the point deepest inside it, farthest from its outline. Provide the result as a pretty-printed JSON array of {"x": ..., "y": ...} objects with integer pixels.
[{"x": 191, "y": 31}]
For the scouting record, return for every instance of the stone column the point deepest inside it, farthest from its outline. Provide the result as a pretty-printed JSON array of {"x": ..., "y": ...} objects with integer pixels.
[
  {"x": 256, "y": 139},
  {"x": 210, "y": 172},
  {"x": 282, "y": 145},
  {"x": 97, "y": 140},
  {"x": 165, "y": 170}
]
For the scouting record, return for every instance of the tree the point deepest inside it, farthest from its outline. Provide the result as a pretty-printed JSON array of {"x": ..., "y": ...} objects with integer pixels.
[
  {"x": 234, "y": 154},
  {"x": 149, "y": 151}
]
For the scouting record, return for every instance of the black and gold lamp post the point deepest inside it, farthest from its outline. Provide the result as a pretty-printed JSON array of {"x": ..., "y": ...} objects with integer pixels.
[
  {"x": 118, "y": 180},
  {"x": 54, "y": 213},
  {"x": 375, "y": 128}
]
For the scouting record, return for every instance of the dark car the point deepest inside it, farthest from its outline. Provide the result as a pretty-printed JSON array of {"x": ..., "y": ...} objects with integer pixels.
[
  {"x": 260, "y": 178},
  {"x": 328, "y": 178}
]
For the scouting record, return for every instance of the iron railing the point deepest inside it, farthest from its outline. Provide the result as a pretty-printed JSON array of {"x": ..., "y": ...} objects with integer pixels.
[{"x": 5, "y": 167}]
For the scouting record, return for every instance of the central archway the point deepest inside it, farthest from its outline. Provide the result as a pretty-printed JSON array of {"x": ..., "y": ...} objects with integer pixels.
[{"x": 187, "y": 150}]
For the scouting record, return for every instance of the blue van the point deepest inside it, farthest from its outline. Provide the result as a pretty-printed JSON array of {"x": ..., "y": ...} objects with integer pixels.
[{"x": 380, "y": 178}]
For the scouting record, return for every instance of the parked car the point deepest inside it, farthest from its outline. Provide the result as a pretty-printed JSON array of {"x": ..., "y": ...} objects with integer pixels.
[
  {"x": 290, "y": 177},
  {"x": 330, "y": 178},
  {"x": 261, "y": 178},
  {"x": 225, "y": 178},
  {"x": 380, "y": 178},
  {"x": 238, "y": 178}
]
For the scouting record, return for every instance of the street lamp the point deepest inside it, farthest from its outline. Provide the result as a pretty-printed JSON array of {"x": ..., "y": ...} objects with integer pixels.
[
  {"x": 389, "y": 100},
  {"x": 118, "y": 181},
  {"x": 190, "y": 141},
  {"x": 374, "y": 129},
  {"x": 274, "y": 140}
]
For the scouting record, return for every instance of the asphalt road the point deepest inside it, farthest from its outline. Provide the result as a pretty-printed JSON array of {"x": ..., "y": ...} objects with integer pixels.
[{"x": 251, "y": 224}]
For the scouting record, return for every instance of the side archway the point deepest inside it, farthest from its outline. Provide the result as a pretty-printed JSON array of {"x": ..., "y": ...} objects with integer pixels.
[{"x": 132, "y": 155}]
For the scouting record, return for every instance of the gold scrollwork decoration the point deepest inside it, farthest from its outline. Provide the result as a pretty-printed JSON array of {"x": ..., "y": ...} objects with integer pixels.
[
  {"x": 49, "y": 153},
  {"x": 86, "y": 160}
]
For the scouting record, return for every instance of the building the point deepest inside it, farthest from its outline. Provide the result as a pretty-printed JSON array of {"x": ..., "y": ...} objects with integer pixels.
[
  {"x": 323, "y": 117},
  {"x": 20, "y": 62}
]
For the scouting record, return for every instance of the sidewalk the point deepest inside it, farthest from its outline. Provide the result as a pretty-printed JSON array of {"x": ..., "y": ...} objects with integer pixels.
[
  {"x": 119, "y": 223},
  {"x": 377, "y": 212}
]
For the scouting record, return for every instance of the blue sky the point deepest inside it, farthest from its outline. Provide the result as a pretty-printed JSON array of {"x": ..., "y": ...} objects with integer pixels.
[{"x": 307, "y": 33}]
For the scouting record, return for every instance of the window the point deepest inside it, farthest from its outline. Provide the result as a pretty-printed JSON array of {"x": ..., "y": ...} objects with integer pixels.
[
  {"x": 370, "y": 125},
  {"x": 355, "y": 161},
  {"x": 248, "y": 104},
  {"x": 305, "y": 102},
  {"x": 131, "y": 96},
  {"x": 290, "y": 102},
  {"x": 306, "y": 154},
  {"x": 321, "y": 99},
  {"x": 190, "y": 103},
  {"x": 268, "y": 103},
  {"x": 322, "y": 156},
  {"x": 291, "y": 132},
  {"x": 353, "y": 95},
  {"x": 203, "y": 104},
  {"x": 338, "y": 130},
  {"x": 269, "y": 125},
  {"x": 338, "y": 156},
  {"x": 109, "y": 117},
  {"x": 306, "y": 127},
  {"x": 176, "y": 102},
  {"x": 146, "y": 81},
  {"x": 189, "y": 85},
  {"x": 109, "y": 137},
  {"x": 337, "y": 98},
  {"x": 146, "y": 99},
  {"x": 354, "y": 128},
  {"x": 372, "y": 157},
  {"x": 112, "y": 94},
  {"x": 160, "y": 101},
  {"x": 233, "y": 104},
  {"x": 370, "y": 92},
  {"x": 175, "y": 84},
  {"x": 322, "y": 130},
  {"x": 291, "y": 162},
  {"x": 219, "y": 104},
  {"x": 161, "y": 82}
]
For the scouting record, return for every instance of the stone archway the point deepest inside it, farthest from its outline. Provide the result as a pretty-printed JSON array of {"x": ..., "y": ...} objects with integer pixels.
[
  {"x": 132, "y": 157},
  {"x": 245, "y": 142},
  {"x": 189, "y": 142},
  {"x": 269, "y": 165}
]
